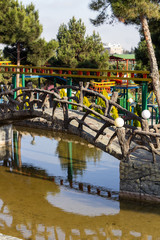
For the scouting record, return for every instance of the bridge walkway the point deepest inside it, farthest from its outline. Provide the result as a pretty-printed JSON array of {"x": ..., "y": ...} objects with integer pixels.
[{"x": 88, "y": 134}]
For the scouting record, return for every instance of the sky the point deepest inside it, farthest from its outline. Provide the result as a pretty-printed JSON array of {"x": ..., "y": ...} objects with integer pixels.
[{"x": 53, "y": 13}]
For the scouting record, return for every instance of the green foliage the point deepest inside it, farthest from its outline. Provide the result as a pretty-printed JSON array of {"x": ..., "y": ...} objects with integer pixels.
[
  {"x": 114, "y": 112},
  {"x": 76, "y": 50},
  {"x": 128, "y": 11},
  {"x": 21, "y": 24},
  {"x": 19, "y": 27},
  {"x": 81, "y": 154},
  {"x": 132, "y": 12},
  {"x": 41, "y": 51},
  {"x": 86, "y": 101},
  {"x": 63, "y": 93},
  {"x": 77, "y": 95},
  {"x": 101, "y": 102},
  {"x": 137, "y": 111},
  {"x": 141, "y": 54},
  {"x": 20, "y": 30}
]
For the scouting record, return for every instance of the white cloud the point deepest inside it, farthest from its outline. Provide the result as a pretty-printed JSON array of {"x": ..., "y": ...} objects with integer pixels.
[{"x": 55, "y": 12}]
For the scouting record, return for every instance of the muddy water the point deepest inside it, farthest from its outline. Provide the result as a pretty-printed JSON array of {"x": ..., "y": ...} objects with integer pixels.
[{"x": 56, "y": 186}]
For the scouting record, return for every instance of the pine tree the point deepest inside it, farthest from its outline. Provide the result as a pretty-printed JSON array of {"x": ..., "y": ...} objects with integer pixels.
[
  {"x": 137, "y": 12},
  {"x": 141, "y": 51},
  {"x": 40, "y": 51},
  {"x": 76, "y": 50},
  {"x": 19, "y": 27}
]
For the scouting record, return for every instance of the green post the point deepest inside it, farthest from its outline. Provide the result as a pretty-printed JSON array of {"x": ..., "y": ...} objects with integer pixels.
[
  {"x": 70, "y": 165},
  {"x": 96, "y": 100},
  {"x": 69, "y": 91},
  {"x": 157, "y": 115},
  {"x": 14, "y": 85},
  {"x": 23, "y": 80},
  {"x": 127, "y": 103},
  {"x": 124, "y": 98},
  {"x": 144, "y": 95},
  {"x": 152, "y": 117},
  {"x": 55, "y": 81}
]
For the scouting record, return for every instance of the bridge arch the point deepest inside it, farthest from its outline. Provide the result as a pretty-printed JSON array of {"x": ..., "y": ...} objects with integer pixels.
[{"x": 98, "y": 129}]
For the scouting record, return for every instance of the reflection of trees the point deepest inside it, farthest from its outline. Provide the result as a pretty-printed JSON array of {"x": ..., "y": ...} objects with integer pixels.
[
  {"x": 75, "y": 160},
  {"x": 73, "y": 153},
  {"x": 81, "y": 153},
  {"x": 25, "y": 210}
]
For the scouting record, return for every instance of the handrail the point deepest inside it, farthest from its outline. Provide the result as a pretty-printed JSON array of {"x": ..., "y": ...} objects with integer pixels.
[{"x": 77, "y": 72}]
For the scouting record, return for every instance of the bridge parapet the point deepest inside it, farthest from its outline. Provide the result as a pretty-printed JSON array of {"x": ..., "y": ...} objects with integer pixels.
[{"x": 128, "y": 139}]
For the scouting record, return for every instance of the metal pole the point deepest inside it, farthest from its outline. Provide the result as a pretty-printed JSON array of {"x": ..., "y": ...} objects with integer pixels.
[
  {"x": 69, "y": 91},
  {"x": 39, "y": 82},
  {"x": 124, "y": 98},
  {"x": 127, "y": 103},
  {"x": 14, "y": 85},
  {"x": 70, "y": 165},
  {"x": 55, "y": 81},
  {"x": 23, "y": 80},
  {"x": 144, "y": 95},
  {"x": 157, "y": 115}
]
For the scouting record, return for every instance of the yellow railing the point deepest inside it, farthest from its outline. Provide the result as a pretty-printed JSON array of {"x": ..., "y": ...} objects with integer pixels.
[
  {"x": 77, "y": 72},
  {"x": 5, "y": 62},
  {"x": 104, "y": 84}
]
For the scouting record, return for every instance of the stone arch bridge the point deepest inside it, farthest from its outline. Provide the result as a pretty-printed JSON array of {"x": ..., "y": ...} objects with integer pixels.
[{"x": 93, "y": 123}]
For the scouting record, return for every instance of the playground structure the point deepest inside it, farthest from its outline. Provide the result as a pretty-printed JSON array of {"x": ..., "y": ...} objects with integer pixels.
[
  {"x": 5, "y": 62},
  {"x": 128, "y": 60},
  {"x": 101, "y": 86},
  {"x": 109, "y": 80}
]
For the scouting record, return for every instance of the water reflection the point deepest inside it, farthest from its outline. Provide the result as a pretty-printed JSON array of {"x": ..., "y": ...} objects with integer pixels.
[
  {"x": 69, "y": 156},
  {"x": 33, "y": 208},
  {"x": 83, "y": 204}
]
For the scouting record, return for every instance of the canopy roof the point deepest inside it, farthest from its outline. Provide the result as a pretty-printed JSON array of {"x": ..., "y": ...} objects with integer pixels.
[{"x": 123, "y": 57}]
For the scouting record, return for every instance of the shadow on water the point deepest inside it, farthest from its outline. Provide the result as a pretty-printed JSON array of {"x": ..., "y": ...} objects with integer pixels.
[{"x": 37, "y": 205}]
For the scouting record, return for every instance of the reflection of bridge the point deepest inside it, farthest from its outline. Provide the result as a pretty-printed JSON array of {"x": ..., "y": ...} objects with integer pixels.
[
  {"x": 26, "y": 192},
  {"x": 100, "y": 131},
  {"x": 55, "y": 223}
]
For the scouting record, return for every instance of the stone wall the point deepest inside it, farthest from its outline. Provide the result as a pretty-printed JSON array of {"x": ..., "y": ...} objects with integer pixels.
[
  {"x": 140, "y": 180},
  {"x": 5, "y": 142},
  {"x": 5, "y": 135}
]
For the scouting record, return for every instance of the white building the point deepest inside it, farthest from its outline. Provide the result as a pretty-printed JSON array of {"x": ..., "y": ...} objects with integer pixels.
[{"x": 113, "y": 48}]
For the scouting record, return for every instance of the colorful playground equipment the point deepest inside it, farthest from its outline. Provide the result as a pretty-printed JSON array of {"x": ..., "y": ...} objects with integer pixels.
[
  {"x": 109, "y": 80},
  {"x": 101, "y": 86},
  {"x": 5, "y": 62}
]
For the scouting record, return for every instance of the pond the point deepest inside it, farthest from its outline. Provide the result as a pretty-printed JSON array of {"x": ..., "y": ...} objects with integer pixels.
[{"x": 57, "y": 186}]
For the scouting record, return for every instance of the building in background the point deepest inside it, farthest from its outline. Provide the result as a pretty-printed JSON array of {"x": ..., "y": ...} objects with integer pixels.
[{"x": 113, "y": 48}]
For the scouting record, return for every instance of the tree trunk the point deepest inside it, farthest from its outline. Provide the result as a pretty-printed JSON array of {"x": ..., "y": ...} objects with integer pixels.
[
  {"x": 18, "y": 64},
  {"x": 153, "y": 61}
]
